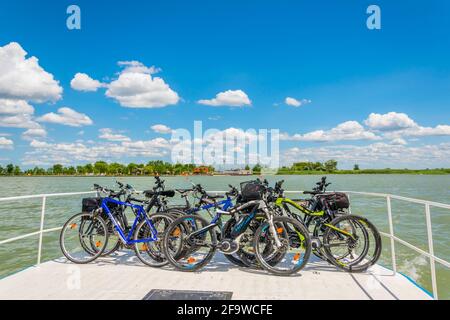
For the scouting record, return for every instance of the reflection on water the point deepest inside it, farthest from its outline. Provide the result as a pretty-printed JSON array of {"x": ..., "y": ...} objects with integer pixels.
[{"x": 23, "y": 216}]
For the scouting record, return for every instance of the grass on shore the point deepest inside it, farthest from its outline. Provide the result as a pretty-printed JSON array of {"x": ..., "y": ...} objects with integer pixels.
[
  {"x": 367, "y": 171},
  {"x": 442, "y": 171}
]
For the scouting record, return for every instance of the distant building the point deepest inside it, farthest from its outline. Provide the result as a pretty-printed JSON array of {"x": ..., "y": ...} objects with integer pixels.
[
  {"x": 201, "y": 170},
  {"x": 236, "y": 172}
]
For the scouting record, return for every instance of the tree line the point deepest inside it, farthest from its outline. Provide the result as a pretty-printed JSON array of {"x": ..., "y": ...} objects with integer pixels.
[
  {"x": 327, "y": 166},
  {"x": 104, "y": 168},
  {"x": 166, "y": 168}
]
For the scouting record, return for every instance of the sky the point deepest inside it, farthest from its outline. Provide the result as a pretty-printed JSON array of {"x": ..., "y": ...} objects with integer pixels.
[{"x": 116, "y": 89}]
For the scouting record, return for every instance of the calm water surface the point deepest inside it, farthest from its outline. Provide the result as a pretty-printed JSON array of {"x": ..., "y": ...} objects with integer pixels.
[{"x": 20, "y": 217}]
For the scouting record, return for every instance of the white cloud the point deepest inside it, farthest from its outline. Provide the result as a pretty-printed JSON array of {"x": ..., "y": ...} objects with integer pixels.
[
  {"x": 31, "y": 134},
  {"x": 137, "y": 67},
  {"x": 23, "y": 78},
  {"x": 389, "y": 121},
  {"x": 136, "y": 88},
  {"x": 230, "y": 145},
  {"x": 399, "y": 141},
  {"x": 8, "y": 106},
  {"x": 439, "y": 130},
  {"x": 19, "y": 114},
  {"x": 229, "y": 135},
  {"x": 44, "y": 153},
  {"x": 296, "y": 103},
  {"x": 349, "y": 130},
  {"x": 142, "y": 146},
  {"x": 378, "y": 155},
  {"x": 161, "y": 128},
  {"x": 231, "y": 98},
  {"x": 68, "y": 117},
  {"x": 19, "y": 121},
  {"x": 395, "y": 125},
  {"x": 83, "y": 82},
  {"x": 108, "y": 134},
  {"x": 6, "y": 143}
]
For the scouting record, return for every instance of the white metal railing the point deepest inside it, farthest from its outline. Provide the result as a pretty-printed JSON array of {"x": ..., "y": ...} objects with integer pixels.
[
  {"x": 390, "y": 235},
  {"x": 41, "y": 229}
]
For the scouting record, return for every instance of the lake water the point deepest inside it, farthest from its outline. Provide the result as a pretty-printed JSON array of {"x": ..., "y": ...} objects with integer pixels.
[{"x": 20, "y": 217}]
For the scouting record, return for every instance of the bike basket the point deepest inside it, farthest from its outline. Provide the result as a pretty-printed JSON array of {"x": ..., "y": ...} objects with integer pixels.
[
  {"x": 251, "y": 190},
  {"x": 337, "y": 201}
]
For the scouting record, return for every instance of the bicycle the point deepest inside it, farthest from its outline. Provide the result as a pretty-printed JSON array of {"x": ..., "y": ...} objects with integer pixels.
[
  {"x": 92, "y": 226},
  {"x": 198, "y": 235},
  {"x": 340, "y": 238}
]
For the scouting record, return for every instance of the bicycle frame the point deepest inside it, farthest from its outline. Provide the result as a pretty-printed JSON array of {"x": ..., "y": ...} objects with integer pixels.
[
  {"x": 155, "y": 201},
  {"x": 140, "y": 212},
  {"x": 283, "y": 202},
  {"x": 240, "y": 228},
  {"x": 223, "y": 205}
]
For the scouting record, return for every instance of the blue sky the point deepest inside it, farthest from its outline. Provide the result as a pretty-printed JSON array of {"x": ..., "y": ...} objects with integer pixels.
[{"x": 319, "y": 53}]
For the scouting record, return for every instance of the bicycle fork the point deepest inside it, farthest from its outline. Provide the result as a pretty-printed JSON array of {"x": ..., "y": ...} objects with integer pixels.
[{"x": 263, "y": 207}]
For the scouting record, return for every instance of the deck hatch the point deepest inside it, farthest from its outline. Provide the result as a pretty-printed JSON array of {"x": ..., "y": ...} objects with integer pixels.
[{"x": 162, "y": 294}]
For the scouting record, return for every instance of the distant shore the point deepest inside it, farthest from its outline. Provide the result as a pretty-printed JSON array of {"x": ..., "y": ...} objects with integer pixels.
[
  {"x": 370, "y": 171},
  {"x": 280, "y": 172}
]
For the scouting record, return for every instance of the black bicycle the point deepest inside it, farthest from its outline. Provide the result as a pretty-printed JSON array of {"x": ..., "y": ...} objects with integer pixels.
[
  {"x": 347, "y": 241},
  {"x": 197, "y": 237}
]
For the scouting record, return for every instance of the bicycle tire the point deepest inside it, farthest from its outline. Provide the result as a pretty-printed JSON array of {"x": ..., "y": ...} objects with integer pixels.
[
  {"x": 93, "y": 255},
  {"x": 355, "y": 266},
  {"x": 300, "y": 262}
]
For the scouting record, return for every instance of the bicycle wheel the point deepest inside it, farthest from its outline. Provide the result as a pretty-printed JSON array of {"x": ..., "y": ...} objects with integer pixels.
[
  {"x": 295, "y": 249},
  {"x": 316, "y": 227},
  {"x": 352, "y": 243},
  {"x": 233, "y": 258},
  {"x": 246, "y": 252},
  {"x": 174, "y": 213},
  {"x": 198, "y": 247},
  {"x": 150, "y": 251},
  {"x": 113, "y": 240},
  {"x": 79, "y": 234}
]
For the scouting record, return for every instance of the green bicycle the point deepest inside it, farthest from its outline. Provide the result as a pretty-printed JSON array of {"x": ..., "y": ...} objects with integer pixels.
[{"x": 348, "y": 241}]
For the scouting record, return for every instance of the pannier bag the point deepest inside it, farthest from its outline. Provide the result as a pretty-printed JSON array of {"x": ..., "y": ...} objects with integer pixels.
[
  {"x": 251, "y": 190},
  {"x": 337, "y": 201},
  {"x": 90, "y": 204}
]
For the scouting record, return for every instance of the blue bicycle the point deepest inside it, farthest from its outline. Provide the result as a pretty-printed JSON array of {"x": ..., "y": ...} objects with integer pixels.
[
  {"x": 84, "y": 237},
  {"x": 191, "y": 240}
]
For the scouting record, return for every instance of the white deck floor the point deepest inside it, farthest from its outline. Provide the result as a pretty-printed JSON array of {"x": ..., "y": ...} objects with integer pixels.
[{"x": 122, "y": 276}]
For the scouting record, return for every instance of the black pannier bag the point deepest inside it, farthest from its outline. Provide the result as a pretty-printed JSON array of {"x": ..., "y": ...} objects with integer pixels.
[
  {"x": 337, "y": 201},
  {"x": 251, "y": 190},
  {"x": 90, "y": 204}
]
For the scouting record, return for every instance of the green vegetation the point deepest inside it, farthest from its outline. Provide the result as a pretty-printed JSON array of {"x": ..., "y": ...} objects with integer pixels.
[
  {"x": 104, "y": 168},
  {"x": 330, "y": 167},
  {"x": 165, "y": 168},
  {"x": 257, "y": 169}
]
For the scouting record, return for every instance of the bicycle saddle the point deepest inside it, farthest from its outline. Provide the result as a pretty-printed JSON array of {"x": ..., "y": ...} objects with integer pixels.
[
  {"x": 217, "y": 196},
  {"x": 165, "y": 193}
]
